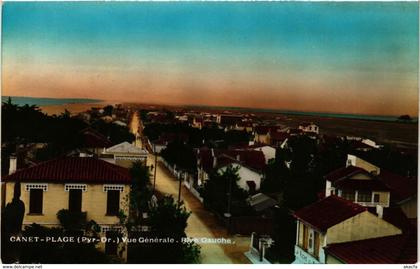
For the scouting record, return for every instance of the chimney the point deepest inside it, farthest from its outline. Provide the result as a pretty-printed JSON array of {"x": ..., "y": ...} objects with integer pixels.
[
  {"x": 12, "y": 164},
  {"x": 380, "y": 211}
]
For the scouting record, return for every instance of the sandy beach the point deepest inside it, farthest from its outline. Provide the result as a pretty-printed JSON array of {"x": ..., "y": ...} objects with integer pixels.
[{"x": 73, "y": 108}]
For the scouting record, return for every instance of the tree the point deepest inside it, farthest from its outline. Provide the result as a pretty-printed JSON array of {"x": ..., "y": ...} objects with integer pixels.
[
  {"x": 284, "y": 236},
  {"x": 180, "y": 154},
  {"x": 141, "y": 191},
  {"x": 217, "y": 188},
  {"x": 108, "y": 110},
  {"x": 116, "y": 133},
  {"x": 405, "y": 118},
  {"x": 167, "y": 220},
  {"x": 276, "y": 174}
]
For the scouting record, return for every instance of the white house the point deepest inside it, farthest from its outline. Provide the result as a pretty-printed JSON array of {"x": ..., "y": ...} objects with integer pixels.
[
  {"x": 268, "y": 151},
  {"x": 125, "y": 154},
  {"x": 250, "y": 179},
  {"x": 309, "y": 128}
]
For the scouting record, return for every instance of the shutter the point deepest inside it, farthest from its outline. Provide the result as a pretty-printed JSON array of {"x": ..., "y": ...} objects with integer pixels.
[
  {"x": 316, "y": 244},
  {"x": 75, "y": 200},
  {"x": 305, "y": 237},
  {"x": 113, "y": 203},
  {"x": 35, "y": 201}
]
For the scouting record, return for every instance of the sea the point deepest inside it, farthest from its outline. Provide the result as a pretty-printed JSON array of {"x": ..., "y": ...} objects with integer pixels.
[{"x": 41, "y": 101}]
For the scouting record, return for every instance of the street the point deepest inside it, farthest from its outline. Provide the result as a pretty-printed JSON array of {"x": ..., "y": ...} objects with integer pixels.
[{"x": 201, "y": 223}]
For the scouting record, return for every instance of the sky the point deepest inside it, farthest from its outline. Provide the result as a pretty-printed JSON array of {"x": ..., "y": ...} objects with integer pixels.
[{"x": 342, "y": 57}]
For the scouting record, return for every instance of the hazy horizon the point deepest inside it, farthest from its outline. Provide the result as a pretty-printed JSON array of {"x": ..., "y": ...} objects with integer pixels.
[{"x": 351, "y": 58}]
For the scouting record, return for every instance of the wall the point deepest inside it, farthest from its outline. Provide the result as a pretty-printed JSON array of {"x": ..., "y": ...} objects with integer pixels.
[
  {"x": 269, "y": 152},
  {"x": 360, "y": 176},
  {"x": 246, "y": 175},
  {"x": 55, "y": 199},
  {"x": 355, "y": 161},
  {"x": 410, "y": 208},
  {"x": 332, "y": 260},
  {"x": 362, "y": 226}
]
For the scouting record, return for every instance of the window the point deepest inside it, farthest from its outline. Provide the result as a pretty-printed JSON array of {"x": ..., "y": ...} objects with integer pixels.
[
  {"x": 113, "y": 202},
  {"x": 75, "y": 200},
  {"x": 311, "y": 241},
  {"x": 35, "y": 201},
  {"x": 364, "y": 196},
  {"x": 376, "y": 198},
  {"x": 348, "y": 194}
]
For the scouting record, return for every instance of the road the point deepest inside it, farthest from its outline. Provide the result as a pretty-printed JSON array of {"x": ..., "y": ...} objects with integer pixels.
[{"x": 201, "y": 223}]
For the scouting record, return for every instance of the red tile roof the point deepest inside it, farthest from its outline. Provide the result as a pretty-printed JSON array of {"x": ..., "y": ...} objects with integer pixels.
[
  {"x": 382, "y": 250},
  {"x": 344, "y": 172},
  {"x": 328, "y": 212},
  {"x": 252, "y": 158},
  {"x": 73, "y": 169},
  {"x": 94, "y": 139},
  {"x": 401, "y": 187}
]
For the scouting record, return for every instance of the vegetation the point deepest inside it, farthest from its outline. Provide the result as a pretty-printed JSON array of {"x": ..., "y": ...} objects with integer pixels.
[
  {"x": 180, "y": 154},
  {"x": 216, "y": 193},
  {"x": 141, "y": 191},
  {"x": 405, "y": 118},
  {"x": 72, "y": 220},
  {"x": 212, "y": 137},
  {"x": 284, "y": 236},
  {"x": 59, "y": 252},
  {"x": 167, "y": 220},
  {"x": 62, "y": 133}
]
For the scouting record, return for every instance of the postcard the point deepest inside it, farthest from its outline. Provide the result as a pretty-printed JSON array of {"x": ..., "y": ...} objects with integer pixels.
[{"x": 280, "y": 132}]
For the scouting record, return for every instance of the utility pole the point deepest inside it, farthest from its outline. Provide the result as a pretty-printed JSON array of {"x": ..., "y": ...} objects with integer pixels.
[
  {"x": 179, "y": 191},
  {"x": 154, "y": 177},
  {"x": 228, "y": 215}
]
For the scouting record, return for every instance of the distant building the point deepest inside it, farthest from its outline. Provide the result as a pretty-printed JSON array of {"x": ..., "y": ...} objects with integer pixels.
[
  {"x": 94, "y": 141},
  {"x": 228, "y": 120},
  {"x": 120, "y": 123},
  {"x": 309, "y": 128},
  {"x": 250, "y": 163},
  {"x": 124, "y": 154}
]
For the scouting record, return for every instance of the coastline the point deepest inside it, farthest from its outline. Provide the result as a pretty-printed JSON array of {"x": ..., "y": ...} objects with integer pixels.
[{"x": 74, "y": 108}]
